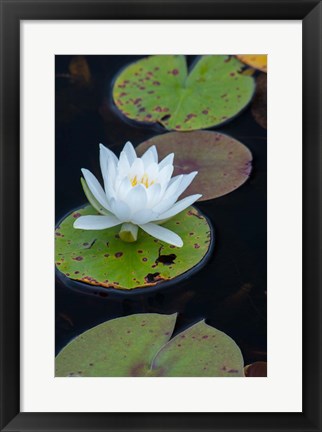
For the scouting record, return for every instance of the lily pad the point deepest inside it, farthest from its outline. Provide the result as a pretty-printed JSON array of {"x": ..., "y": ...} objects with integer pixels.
[
  {"x": 140, "y": 346},
  {"x": 223, "y": 163},
  {"x": 256, "y": 61},
  {"x": 160, "y": 89},
  {"x": 101, "y": 258},
  {"x": 259, "y": 105},
  {"x": 257, "y": 369}
]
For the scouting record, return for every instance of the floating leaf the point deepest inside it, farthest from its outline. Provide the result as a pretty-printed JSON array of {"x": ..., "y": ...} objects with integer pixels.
[
  {"x": 223, "y": 163},
  {"x": 255, "y": 61},
  {"x": 138, "y": 345},
  {"x": 101, "y": 258},
  {"x": 257, "y": 369},
  {"x": 159, "y": 89},
  {"x": 259, "y": 105}
]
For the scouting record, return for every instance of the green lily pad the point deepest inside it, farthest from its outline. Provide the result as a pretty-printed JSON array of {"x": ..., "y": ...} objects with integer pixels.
[
  {"x": 140, "y": 346},
  {"x": 101, "y": 258},
  {"x": 159, "y": 89},
  {"x": 223, "y": 163}
]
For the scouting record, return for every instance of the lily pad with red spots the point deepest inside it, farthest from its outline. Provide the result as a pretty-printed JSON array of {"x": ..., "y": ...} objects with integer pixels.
[
  {"x": 142, "y": 345},
  {"x": 256, "y": 61},
  {"x": 160, "y": 89},
  {"x": 102, "y": 259},
  {"x": 223, "y": 163}
]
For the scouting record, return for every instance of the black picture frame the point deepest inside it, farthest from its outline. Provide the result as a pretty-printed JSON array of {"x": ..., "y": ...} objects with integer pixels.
[{"x": 12, "y": 12}]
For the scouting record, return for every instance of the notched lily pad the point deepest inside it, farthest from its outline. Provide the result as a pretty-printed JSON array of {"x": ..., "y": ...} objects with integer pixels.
[
  {"x": 160, "y": 89},
  {"x": 140, "y": 346},
  {"x": 259, "y": 105},
  {"x": 223, "y": 163},
  {"x": 101, "y": 258},
  {"x": 256, "y": 61}
]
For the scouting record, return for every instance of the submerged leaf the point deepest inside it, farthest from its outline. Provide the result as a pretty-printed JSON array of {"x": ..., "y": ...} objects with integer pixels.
[
  {"x": 257, "y": 369},
  {"x": 138, "y": 345},
  {"x": 101, "y": 258},
  {"x": 223, "y": 163},
  {"x": 79, "y": 70},
  {"x": 159, "y": 89},
  {"x": 256, "y": 61},
  {"x": 259, "y": 105}
]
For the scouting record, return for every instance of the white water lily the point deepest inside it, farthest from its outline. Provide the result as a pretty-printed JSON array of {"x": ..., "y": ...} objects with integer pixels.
[{"x": 138, "y": 192}]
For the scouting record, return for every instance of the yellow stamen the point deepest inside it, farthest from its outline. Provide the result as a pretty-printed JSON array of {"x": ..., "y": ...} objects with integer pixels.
[{"x": 144, "y": 180}]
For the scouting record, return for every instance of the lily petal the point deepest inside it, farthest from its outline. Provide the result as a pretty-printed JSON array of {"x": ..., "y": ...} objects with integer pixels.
[
  {"x": 153, "y": 193},
  {"x": 173, "y": 187},
  {"x": 152, "y": 171},
  {"x": 164, "y": 205},
  {"x": 121, "y": 210},
  {"x": 137, "y": 169},
  {"x": 168, "y": 160},
  {"x": 96, "y": 222},
  {"x": 130, "y": 153},
  {"x": 110, "y": 179},
  {"x": 124, "y": 188},
  {"x": 179, "y": 206},
  {"x": 143, "y": 216},
  {"x": 171, "y": 194},
  {"x": 92, "y": 200},
  {"x": 155, "y": 153},
  {"x": 124, "y": 165},
  {"x": 150, "y": 156},
  {"x": 108, "y": 163},
  {"x": 95, "y": 188},
  {"x": 162, "y": 234},
  {"x": 185, "y": 182},
  {"x": 164, "y": 176},
  {"x": 107, "y": 153},
  {"x": 136, "y": 198}
]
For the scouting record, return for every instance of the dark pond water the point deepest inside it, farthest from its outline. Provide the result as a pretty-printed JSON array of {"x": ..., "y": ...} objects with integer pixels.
[{"x": 230, "y": 291}]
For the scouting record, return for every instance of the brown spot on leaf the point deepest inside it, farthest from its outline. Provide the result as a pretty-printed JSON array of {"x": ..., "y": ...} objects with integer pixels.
[
  {"x": 78, "y": 258},
  {"x": 174, "y": 72},
  {"x": 153, "y": 277},
  {"x": 137, "y": 370},
  {"x": 166, "y": 259}
]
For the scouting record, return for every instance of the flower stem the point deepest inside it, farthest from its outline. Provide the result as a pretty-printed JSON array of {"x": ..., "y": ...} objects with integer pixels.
[{"x": 129, "y": 232}]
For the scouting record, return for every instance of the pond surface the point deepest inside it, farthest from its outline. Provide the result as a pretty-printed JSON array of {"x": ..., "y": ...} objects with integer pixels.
[{"x": 230, "y": 291}]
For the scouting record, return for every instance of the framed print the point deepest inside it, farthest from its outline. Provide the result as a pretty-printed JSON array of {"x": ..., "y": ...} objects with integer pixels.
[{"x": 160, "y": 215}]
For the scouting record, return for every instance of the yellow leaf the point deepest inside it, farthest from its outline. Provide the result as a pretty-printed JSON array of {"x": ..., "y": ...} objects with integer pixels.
[
  {"x": 255, "y": 61},
  {"x": 79, "y": 70}
]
